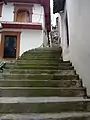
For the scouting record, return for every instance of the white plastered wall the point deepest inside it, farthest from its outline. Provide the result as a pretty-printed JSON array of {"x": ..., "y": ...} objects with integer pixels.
[
  {"x": 79, "y": 28},
  {"x": 7, "y": 12},
  {"x": 37, "y": 17},
  {"x": 63, "y": 36},
  {"x": 30, "y": 39}
]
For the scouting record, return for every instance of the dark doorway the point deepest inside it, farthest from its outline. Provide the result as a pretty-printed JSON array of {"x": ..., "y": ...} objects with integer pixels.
[{"x": 10, "y": 45}]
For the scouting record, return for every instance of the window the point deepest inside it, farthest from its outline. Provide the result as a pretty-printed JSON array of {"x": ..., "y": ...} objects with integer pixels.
[
  {"x": 23, "y": 16},
  {"x": 23, "y": 13}
]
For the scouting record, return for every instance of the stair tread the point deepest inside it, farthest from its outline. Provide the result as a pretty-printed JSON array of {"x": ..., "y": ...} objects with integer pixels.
[
  {"x": 40, "y": 74},
  {"x": 4, "y": 79},
  {"x": 42, "y": 88},
  {"x": 42, "y": 99},
  {"x": 47, "y": 116},
  {"x": 64, "y": 94},
  {"x": 27, "y": 80}
]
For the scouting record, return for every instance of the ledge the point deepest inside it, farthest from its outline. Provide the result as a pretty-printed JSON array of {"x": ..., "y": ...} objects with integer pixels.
[{"x": 22, "y": 26}]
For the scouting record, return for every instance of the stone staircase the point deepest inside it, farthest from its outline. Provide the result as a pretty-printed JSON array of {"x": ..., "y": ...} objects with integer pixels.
[{"x": 40, "y": 86}]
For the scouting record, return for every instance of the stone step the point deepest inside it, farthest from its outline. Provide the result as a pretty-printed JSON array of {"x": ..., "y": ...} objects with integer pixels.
[
  {"x": 48, "y": 116},
  {"x": 40, "y": 67},
  {"x": 40, "y": 83},
  {"x": 38, "y": 71},
  {"x": 40, "y": 105},
  {"x": 42, "y": 61},
  {"x": 44, "y": 50},
  {"x": 41, "y": 76},
  {"x": 42, "y": 92},
  {"x": 56, "y": 56},
  {"x": 41, "y": 56},
  {"x": 48, "y": 59},
  {"x": 39, "y": 63}
]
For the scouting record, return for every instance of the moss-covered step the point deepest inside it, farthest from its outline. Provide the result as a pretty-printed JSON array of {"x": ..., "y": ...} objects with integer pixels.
[
  {"x": 42, "y": 61},
  {"x": 49, "y": 59},
  {"x": 36, "y": 64},
  {"x": 41, "y": 76},
  {"x": 44, "y": 107},
  {"x": 40, "y": 83},
  {"x": 42, "y": 55},
  {"x": 39, "y": 63},
  {"x": 40, "y": 67},
  {"x": 43, "y": 51},
  {"x": 42, "y": 92},
  {"x": 73, "y": 118},
  {"x": 25, "y": 71}
]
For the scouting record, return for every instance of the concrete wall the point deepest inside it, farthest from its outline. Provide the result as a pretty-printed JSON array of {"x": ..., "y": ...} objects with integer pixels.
[{"x": 79, "y": 28}]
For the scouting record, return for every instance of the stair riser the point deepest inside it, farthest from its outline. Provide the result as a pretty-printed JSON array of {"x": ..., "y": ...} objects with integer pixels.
[
  {"x": 41, "y": 67},
  {"x": 41, "y": 56},
  {"x": 39, "y": 64},
  {"x": 41, "y": 61},
  {"x": 44, "y": 107},
  {"x": 42, "y": 92},
  {"x": 46, "y": 59},
  {"x": 41, "y": 77},
  {"x": 72, "y": 118},
  {"x": 6, "y": 117},
  {"x": 63, "y": 72},
  {"x": 42, "y": 53},
  {"x": 55, "y": 83}
]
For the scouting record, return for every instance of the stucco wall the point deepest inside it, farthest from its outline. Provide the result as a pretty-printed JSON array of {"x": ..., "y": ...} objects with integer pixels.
[
  {"x": 7, "y": 12},
  {"x": 79, "y": 27},
  {"x": 30, "y": 39}
]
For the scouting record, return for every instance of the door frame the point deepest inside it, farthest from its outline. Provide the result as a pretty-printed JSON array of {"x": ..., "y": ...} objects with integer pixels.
[{"x": 10, "y": 33}]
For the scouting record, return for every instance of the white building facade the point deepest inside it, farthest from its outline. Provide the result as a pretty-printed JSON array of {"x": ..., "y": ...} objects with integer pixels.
[
  {"x": 74, "y": 21},
  {"x": 22, "y": 26}
]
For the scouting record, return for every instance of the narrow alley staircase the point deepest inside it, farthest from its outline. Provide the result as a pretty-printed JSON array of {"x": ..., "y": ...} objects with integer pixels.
[{"x": 40, "y": 86}]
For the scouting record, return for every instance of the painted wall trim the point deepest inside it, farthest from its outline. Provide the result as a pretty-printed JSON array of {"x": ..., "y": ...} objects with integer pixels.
[{"x": 21, "y": 26}]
